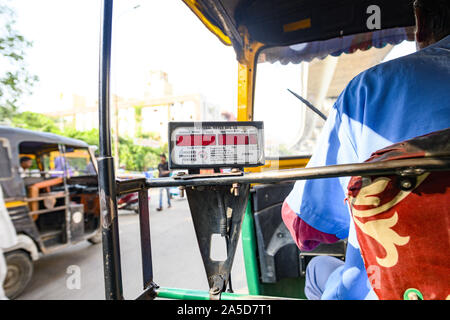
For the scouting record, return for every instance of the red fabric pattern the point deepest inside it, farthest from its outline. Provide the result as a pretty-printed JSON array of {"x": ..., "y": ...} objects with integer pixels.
[
  {"x": 412, "y": 250},
  {"x": 306, "y": 237}
]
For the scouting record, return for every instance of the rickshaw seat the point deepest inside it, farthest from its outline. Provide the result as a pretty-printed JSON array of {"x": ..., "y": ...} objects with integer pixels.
[
  {"x": 34, "y": 190},
  {"x": 32, "y": 180},
  {"x": 402, "y": 223}
]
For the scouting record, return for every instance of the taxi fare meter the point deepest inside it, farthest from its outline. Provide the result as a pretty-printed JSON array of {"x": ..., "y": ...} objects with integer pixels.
[{"x": 221, "y": 144}]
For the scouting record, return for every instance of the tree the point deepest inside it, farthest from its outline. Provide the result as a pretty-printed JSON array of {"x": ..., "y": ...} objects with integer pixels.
[
  {"x": 91, "y": 137},
  {"x": 15, "y": 81},
  {"x": 138, "y": 158},
  {"x": 134, "y": 157},
  {"x": 34, "y": 121}
]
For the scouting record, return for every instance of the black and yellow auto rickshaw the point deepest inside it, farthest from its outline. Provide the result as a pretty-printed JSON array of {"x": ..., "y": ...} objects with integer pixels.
[
  {"x": 52, "y": 204},
  {"x": 250, "y": 194}
]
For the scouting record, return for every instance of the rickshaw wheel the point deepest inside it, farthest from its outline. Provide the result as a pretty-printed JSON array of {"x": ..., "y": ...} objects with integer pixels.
[
  {"x": 97, "y": 238},
  {"x": 20, "y": 271}
]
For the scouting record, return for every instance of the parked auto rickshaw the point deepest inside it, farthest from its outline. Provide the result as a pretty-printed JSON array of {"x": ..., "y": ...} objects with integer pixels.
[
  {"x": 248, "y": 197},
  {"x": 52, "y": 204}
]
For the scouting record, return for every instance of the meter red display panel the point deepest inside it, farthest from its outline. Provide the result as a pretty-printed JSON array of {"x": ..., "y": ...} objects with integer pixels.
[{"x": 216, "y": 144}]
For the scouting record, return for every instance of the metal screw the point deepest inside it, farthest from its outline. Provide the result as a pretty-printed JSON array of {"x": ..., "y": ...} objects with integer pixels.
[
  {"x": 406, "y": 184},
  {"x": 214, "y": 290},
  {"x": 235, "y": 189},
  {"x": 182, "y": 188}
]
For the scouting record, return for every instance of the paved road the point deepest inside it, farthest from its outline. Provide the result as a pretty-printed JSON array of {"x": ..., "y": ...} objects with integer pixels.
[{"x": 176, "y": 259}]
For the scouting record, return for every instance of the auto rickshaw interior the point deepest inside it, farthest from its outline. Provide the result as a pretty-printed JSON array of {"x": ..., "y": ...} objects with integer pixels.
[
  {"x": 61, "y": 178},
  {"x": 314, "y": 50},
  {"x": 271, "y": 32},
  {"x": 317, "y": 71}
]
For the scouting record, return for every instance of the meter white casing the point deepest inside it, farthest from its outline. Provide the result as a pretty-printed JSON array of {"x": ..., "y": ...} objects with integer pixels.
[{"x": 216, "y": 144}]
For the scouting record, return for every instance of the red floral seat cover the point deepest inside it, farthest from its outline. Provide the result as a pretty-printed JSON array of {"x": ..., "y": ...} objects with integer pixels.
[{"x": 403, "y": 225}]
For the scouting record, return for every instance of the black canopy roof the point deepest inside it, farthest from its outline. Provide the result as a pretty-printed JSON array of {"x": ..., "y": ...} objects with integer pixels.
[{"x": 17, "y": 135}]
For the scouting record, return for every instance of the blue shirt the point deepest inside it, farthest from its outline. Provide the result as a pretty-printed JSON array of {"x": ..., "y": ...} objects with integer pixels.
[{"x": 391, "y": 102}]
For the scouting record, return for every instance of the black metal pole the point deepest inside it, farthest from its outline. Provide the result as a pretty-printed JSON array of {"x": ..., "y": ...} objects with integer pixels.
[
  {"x": 106, "y": 177},
  {"x": 146, "y": 248}
]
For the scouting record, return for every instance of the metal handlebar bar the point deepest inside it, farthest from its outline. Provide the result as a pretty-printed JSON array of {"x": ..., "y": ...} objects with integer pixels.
[{"x": 403, "y": 167}]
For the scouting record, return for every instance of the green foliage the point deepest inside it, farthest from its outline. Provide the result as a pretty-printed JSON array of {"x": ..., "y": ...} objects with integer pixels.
[
  {"x": 149, "y": 135},
  {"x": 138, "y": 119},
  {"x": 134, "y": 157},
  {"x": 90, "y": 137},
  {"x": 138, "y": 158},
  {"x": 15, "y": 81},
  {"x": 34, "y": 121}
]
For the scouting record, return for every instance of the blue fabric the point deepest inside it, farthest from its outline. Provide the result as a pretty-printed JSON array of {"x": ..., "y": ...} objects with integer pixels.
[
  {"x": 389, "y": 103},
  {"x": 161, "y": 196},
  {"x": 317, "y": 273}
]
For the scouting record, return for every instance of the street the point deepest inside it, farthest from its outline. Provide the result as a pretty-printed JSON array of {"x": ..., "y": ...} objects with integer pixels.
[{"x": 176, "y": 259}]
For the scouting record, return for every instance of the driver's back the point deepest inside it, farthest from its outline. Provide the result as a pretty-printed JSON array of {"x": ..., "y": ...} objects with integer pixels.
[{"x": 392, "y": 102}]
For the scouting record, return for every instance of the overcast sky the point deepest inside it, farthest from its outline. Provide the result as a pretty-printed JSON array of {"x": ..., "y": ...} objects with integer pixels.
[{"x": 158, "y": 35}]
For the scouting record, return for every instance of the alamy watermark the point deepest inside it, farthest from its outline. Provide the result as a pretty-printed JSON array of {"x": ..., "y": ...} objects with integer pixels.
[
  {"x": 73, "y": 281},
  {"x": 374, "y": 277},
  {"x": 374, "y": 20}
]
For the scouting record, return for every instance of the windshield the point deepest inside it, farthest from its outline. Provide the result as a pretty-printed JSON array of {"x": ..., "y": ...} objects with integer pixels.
[
  {"x": 74, "y": 162},
  {"x": 290, "y": 127}
]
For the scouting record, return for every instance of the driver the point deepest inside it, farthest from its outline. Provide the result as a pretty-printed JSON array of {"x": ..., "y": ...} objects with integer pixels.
[
  {"x": 389, "y": 103},
  {"x": 25, "y": 165}
]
